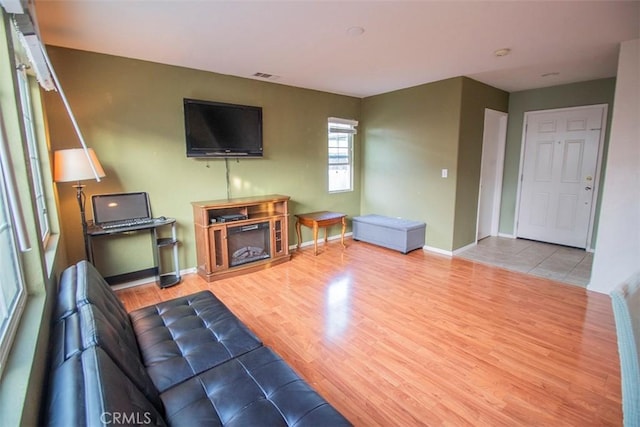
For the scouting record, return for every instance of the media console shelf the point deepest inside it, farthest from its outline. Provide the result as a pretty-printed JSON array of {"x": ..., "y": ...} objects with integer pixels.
[{"x": 235, "y": 236}]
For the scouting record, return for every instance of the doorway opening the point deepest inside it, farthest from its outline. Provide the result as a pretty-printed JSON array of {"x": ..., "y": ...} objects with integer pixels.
[{"x": 491, "y": 170}]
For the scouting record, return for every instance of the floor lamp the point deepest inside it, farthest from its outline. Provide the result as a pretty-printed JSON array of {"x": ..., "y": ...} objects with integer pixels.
[{"x": 73, "y": 165}]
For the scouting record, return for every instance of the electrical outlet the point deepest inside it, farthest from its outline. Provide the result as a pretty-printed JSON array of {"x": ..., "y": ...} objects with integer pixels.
[{"x": 445, "y": 173}]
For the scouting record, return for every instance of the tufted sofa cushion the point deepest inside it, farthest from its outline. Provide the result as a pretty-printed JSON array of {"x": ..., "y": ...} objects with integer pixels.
[
  {"x": 256, "y": 389},
  {"x": 88, "y": 389},
  {"x": 188, "y": 335},
  {"x": 188, "y": 361},
  {"x": 65, "y": 333},
  {"x": 89, "y": 314},
  {"x": 96, "y": 329},
  {"x": 82, "y": 284}
]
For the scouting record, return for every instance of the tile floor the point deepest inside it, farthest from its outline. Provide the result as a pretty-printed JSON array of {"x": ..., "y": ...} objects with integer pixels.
[{"x": 565, "y": 264}]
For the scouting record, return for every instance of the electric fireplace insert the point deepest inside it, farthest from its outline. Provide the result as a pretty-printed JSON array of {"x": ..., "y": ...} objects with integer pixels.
[{"x": 248, "y": 243}]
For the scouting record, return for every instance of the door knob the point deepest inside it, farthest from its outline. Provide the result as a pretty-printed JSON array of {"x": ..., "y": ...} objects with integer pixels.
[{"x": 587, "y": 188}]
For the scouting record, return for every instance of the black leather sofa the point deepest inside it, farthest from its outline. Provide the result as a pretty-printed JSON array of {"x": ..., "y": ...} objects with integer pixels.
[{"x": 188, "y": 361}]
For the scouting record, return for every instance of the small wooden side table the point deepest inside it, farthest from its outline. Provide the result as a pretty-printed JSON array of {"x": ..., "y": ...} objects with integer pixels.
[{"x": 317, "y": 220}]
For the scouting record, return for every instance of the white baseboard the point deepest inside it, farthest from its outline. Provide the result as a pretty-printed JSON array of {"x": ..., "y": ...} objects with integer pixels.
[
  {"x": 437, "y": 250},
  {"x": 509, "y": 236},
  {"x": 147, "y": 280},
  {"x": 320, "y": 241},
  {"x": 448, "y": 253},
  {"x": 464, "y": 248},
  {"x": 152, "y": 279}
]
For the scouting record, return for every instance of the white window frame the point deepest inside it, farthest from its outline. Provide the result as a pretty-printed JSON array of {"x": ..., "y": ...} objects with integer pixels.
[
  {"x": 34, "y": 156},
  {"x": 11, "y": 279},
  {"x": 339, "y": 129}
]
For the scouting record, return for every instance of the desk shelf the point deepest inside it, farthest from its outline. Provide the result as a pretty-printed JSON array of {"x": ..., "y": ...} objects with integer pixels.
[
  {"x": 164, "y": 276},
  {"x": 172, "y": 277}
]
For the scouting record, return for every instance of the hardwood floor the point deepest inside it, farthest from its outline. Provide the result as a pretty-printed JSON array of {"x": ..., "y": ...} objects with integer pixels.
[{"x": 423, "y": 339}]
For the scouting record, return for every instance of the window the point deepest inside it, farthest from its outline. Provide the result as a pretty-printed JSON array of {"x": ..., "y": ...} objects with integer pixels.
[
  {"x": 341, "y": 132},
  {"x": 12, "y": 291},
  {"x": 34, "y": 157}
]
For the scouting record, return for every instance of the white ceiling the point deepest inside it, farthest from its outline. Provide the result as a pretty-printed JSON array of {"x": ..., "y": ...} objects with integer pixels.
[{"x": 404, "y": 44}]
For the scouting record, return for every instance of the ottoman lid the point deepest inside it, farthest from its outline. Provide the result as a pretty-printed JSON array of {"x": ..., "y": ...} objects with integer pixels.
[{"x": 386, "y": 221}]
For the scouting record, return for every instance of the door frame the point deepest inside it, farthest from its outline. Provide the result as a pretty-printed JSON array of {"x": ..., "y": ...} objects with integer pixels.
[
  {"x": 500, "y": 148},
  {"x": 596, "y": 183}
]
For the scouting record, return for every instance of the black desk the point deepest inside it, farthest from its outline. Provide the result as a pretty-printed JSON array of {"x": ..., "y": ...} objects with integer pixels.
[{"x": 162, "y": 279}]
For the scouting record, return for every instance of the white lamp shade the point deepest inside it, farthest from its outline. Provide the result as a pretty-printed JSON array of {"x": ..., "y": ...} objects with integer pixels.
[{"x": 73, "y": 165}]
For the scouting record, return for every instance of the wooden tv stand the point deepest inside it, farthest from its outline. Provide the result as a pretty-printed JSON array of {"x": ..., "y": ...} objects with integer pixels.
[{"x": 235, "y": 236}]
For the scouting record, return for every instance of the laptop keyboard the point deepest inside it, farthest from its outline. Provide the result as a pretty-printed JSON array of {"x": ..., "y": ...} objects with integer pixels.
[{"x": 127, "y": 223}]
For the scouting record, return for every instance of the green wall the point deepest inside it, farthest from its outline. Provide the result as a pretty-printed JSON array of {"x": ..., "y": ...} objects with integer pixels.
[
  {"x": 130, "y": 112},
  {"x": 572, "y": 95},
  {"x": 410, "y": 136}
]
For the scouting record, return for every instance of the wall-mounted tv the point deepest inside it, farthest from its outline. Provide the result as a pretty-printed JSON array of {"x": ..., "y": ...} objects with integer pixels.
[{"x": 215, "y": 129}]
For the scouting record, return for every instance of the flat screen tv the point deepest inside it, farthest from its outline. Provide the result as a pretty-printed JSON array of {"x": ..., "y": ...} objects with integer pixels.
[{"x": 215, "y": 129}]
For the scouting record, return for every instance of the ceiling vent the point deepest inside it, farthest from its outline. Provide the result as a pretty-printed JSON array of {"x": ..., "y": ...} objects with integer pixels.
[{"x": 266, "y": 76}]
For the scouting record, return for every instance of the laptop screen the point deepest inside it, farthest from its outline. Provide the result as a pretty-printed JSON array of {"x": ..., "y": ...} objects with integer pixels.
[{"x": 109, "y": 208}]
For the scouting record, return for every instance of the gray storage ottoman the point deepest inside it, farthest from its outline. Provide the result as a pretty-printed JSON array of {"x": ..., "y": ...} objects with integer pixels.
[{"x": 394, "y": 233}]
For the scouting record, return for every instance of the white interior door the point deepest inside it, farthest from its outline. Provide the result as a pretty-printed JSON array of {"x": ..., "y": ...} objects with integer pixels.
[
  {"x": 558, "y": 175},
  {"x": 493, "y": 142}
]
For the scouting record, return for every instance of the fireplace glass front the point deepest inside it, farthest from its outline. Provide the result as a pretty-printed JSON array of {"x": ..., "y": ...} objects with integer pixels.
[{"x": 248, "y": 243}]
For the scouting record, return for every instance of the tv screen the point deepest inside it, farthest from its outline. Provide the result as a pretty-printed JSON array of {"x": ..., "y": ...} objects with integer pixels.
[{"x": 215, "y": 129}]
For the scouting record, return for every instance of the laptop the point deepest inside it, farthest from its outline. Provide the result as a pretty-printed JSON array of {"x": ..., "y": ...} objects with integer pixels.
[{"x": 121, "y": 209}]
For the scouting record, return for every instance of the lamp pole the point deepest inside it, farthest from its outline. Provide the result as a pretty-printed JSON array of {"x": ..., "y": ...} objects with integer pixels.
[{"x": 80, "y": 196}]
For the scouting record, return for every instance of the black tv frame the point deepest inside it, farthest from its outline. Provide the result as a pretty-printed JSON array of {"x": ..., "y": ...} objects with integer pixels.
[{"x": 248, "y": 151}]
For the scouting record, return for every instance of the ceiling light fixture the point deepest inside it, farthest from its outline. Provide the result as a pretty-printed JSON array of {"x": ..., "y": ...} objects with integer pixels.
[
  {"x": 355, "y": 31},
  {"x": 502, "y": 52}
]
